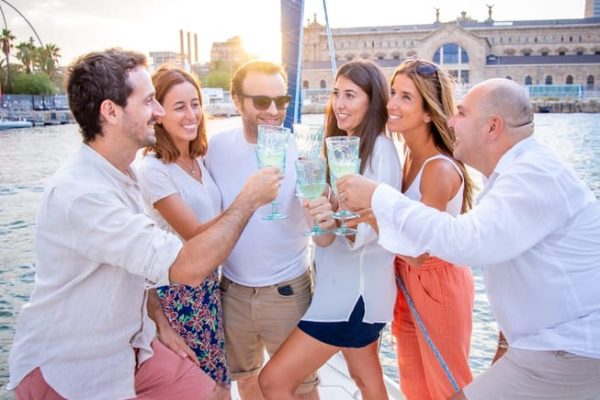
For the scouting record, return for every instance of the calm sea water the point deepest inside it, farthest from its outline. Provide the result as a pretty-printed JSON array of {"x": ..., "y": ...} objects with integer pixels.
[{"x": 29, "y": 156}]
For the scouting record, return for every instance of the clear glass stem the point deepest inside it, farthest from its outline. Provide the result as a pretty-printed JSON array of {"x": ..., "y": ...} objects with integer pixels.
[
  {"x": 274, "y": 210},
  {"x": 343, "y": 230},
  {"x": 316, "y": 230},
  {"x": 274, "y": 213}
]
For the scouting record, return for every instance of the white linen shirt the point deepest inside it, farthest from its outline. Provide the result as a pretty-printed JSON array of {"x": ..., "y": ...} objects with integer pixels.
[
  {"x": 344, "y": 270},
  {"x": 535, "y": 232},
  {"x": 97, "y": 252}
]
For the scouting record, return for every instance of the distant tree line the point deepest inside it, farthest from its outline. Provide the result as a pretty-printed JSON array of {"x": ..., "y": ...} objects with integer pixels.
[
  {"x": 220, "y": 73},
  {"x": 37, "y": 70}
]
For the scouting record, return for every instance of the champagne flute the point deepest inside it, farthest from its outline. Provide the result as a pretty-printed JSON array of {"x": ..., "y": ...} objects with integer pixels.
[
  {"x": 311, "y": 182},
  {"x": 342, "y": 155},
  {"x": 271, "y": 148}
]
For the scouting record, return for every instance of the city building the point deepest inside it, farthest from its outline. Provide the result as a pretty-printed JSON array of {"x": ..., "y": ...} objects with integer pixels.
[
  {"x": 534, "y": 52},
  {"x": 182, "y": 59},
  {"x": 159, "y": 58},
  {"x": 592, "y": 8},
  {"x": 229, "y": 53}
]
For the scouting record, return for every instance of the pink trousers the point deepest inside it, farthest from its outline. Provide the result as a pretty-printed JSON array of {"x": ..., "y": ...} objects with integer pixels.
[{"x": 164, "y": 376}]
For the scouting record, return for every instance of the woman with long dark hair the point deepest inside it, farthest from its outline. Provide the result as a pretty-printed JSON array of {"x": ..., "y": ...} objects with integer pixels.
[{"x": 354, "y": 285}]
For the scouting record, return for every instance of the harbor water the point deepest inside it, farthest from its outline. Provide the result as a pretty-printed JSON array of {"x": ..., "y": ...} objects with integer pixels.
[{"x": 29, "y": 156}]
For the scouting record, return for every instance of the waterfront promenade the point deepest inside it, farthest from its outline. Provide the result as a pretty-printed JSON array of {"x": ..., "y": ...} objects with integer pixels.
[{"x": 54, "y": 110}]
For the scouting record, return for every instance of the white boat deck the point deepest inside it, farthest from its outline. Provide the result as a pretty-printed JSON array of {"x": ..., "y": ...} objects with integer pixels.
[{"x": 336, "y": 383}]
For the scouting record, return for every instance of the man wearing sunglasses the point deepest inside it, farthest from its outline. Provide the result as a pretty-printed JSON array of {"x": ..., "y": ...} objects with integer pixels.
[{"x": 266, "y": 286}]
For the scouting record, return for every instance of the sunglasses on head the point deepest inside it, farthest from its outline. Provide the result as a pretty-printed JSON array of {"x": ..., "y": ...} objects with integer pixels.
[
  {"x": 423, "y": 68},
  {"x": 263, "y": 102}
]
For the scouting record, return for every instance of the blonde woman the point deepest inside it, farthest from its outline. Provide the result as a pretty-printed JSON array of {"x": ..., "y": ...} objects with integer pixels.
[{"x": 421, "y": 102}]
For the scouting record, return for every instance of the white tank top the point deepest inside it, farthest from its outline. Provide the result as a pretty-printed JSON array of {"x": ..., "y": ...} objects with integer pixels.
[{"x": 455, "y": 204}]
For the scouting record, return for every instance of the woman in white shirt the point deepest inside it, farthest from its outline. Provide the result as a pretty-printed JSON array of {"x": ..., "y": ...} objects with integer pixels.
[
  {"x": 354, "y": 287},
  {"x": 421, "y": 102},
  {"x": 181, "y": 196}
]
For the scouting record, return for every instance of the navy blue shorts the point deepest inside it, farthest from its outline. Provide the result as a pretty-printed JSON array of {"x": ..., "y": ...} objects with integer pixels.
[{"x": 352, "y": 333}]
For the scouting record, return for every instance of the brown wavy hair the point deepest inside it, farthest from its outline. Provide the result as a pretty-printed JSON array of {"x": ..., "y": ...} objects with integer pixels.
[
  {"x": 164, "y": 78},
  {"x": 436, "y": 88},
  {"x": 368, "y": 76},
  {"x": 95, "y": 77}
]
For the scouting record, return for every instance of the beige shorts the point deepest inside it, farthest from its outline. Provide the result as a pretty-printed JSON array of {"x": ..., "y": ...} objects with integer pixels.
[
  {"x": 531, "y": 375},
  {"x": 259, "y": 318}
]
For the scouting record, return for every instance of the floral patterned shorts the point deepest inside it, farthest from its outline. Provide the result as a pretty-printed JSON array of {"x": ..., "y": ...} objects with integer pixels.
[{"x": 195, "y": 313}]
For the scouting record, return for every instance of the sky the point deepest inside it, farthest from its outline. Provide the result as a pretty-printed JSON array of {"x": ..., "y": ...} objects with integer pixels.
[{"x": 80, "y": 26}]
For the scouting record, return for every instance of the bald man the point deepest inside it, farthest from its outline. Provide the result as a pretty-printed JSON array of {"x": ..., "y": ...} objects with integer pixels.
[{"x": 535, "y": 233}]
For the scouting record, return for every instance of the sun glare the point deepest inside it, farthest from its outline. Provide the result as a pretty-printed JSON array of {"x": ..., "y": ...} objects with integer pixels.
[{"x": 264, "y": 43}]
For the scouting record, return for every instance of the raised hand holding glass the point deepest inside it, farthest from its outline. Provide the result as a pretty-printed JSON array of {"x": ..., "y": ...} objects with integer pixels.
[{"x": 311, "y": 183}]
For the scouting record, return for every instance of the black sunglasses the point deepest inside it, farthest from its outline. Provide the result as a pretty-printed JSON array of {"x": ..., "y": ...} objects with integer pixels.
[
  {"x": 263, "y": 102},
  {"x": 423, "y": 68}
]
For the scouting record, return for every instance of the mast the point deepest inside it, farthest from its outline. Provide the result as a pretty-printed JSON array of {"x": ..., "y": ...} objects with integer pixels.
[
  {"x": 292, "y": 12},
  {"x": 22, "y": 16}
]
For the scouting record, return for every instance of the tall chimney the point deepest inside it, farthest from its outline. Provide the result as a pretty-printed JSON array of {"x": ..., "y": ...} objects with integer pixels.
[
  {"x": 181, "y": 51},
  {"x": 189, "y": 49},
  {"x": 195, "y": 47}
]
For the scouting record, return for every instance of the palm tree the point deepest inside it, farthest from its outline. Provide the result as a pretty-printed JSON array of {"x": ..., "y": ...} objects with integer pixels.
[
  {"x": 6, "y": 39},
  {"x": 46, "y": 58},
  {"x": 25, "y": 54}
]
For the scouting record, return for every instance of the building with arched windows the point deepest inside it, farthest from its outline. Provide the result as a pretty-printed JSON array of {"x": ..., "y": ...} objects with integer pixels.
[{"x": 537, "y": 52}]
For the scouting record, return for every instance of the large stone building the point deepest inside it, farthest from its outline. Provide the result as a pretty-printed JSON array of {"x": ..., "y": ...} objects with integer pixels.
[
  {"x": 537, "y": 52},
  {"x": 230, "y": 52}
]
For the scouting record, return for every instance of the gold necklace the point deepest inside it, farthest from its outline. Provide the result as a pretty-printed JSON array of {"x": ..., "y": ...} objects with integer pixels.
[{"x": 191, "y": 169}]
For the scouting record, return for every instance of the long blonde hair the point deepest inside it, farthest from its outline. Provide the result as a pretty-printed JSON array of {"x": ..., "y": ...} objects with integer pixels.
[{"x": 436, "y": 88}]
